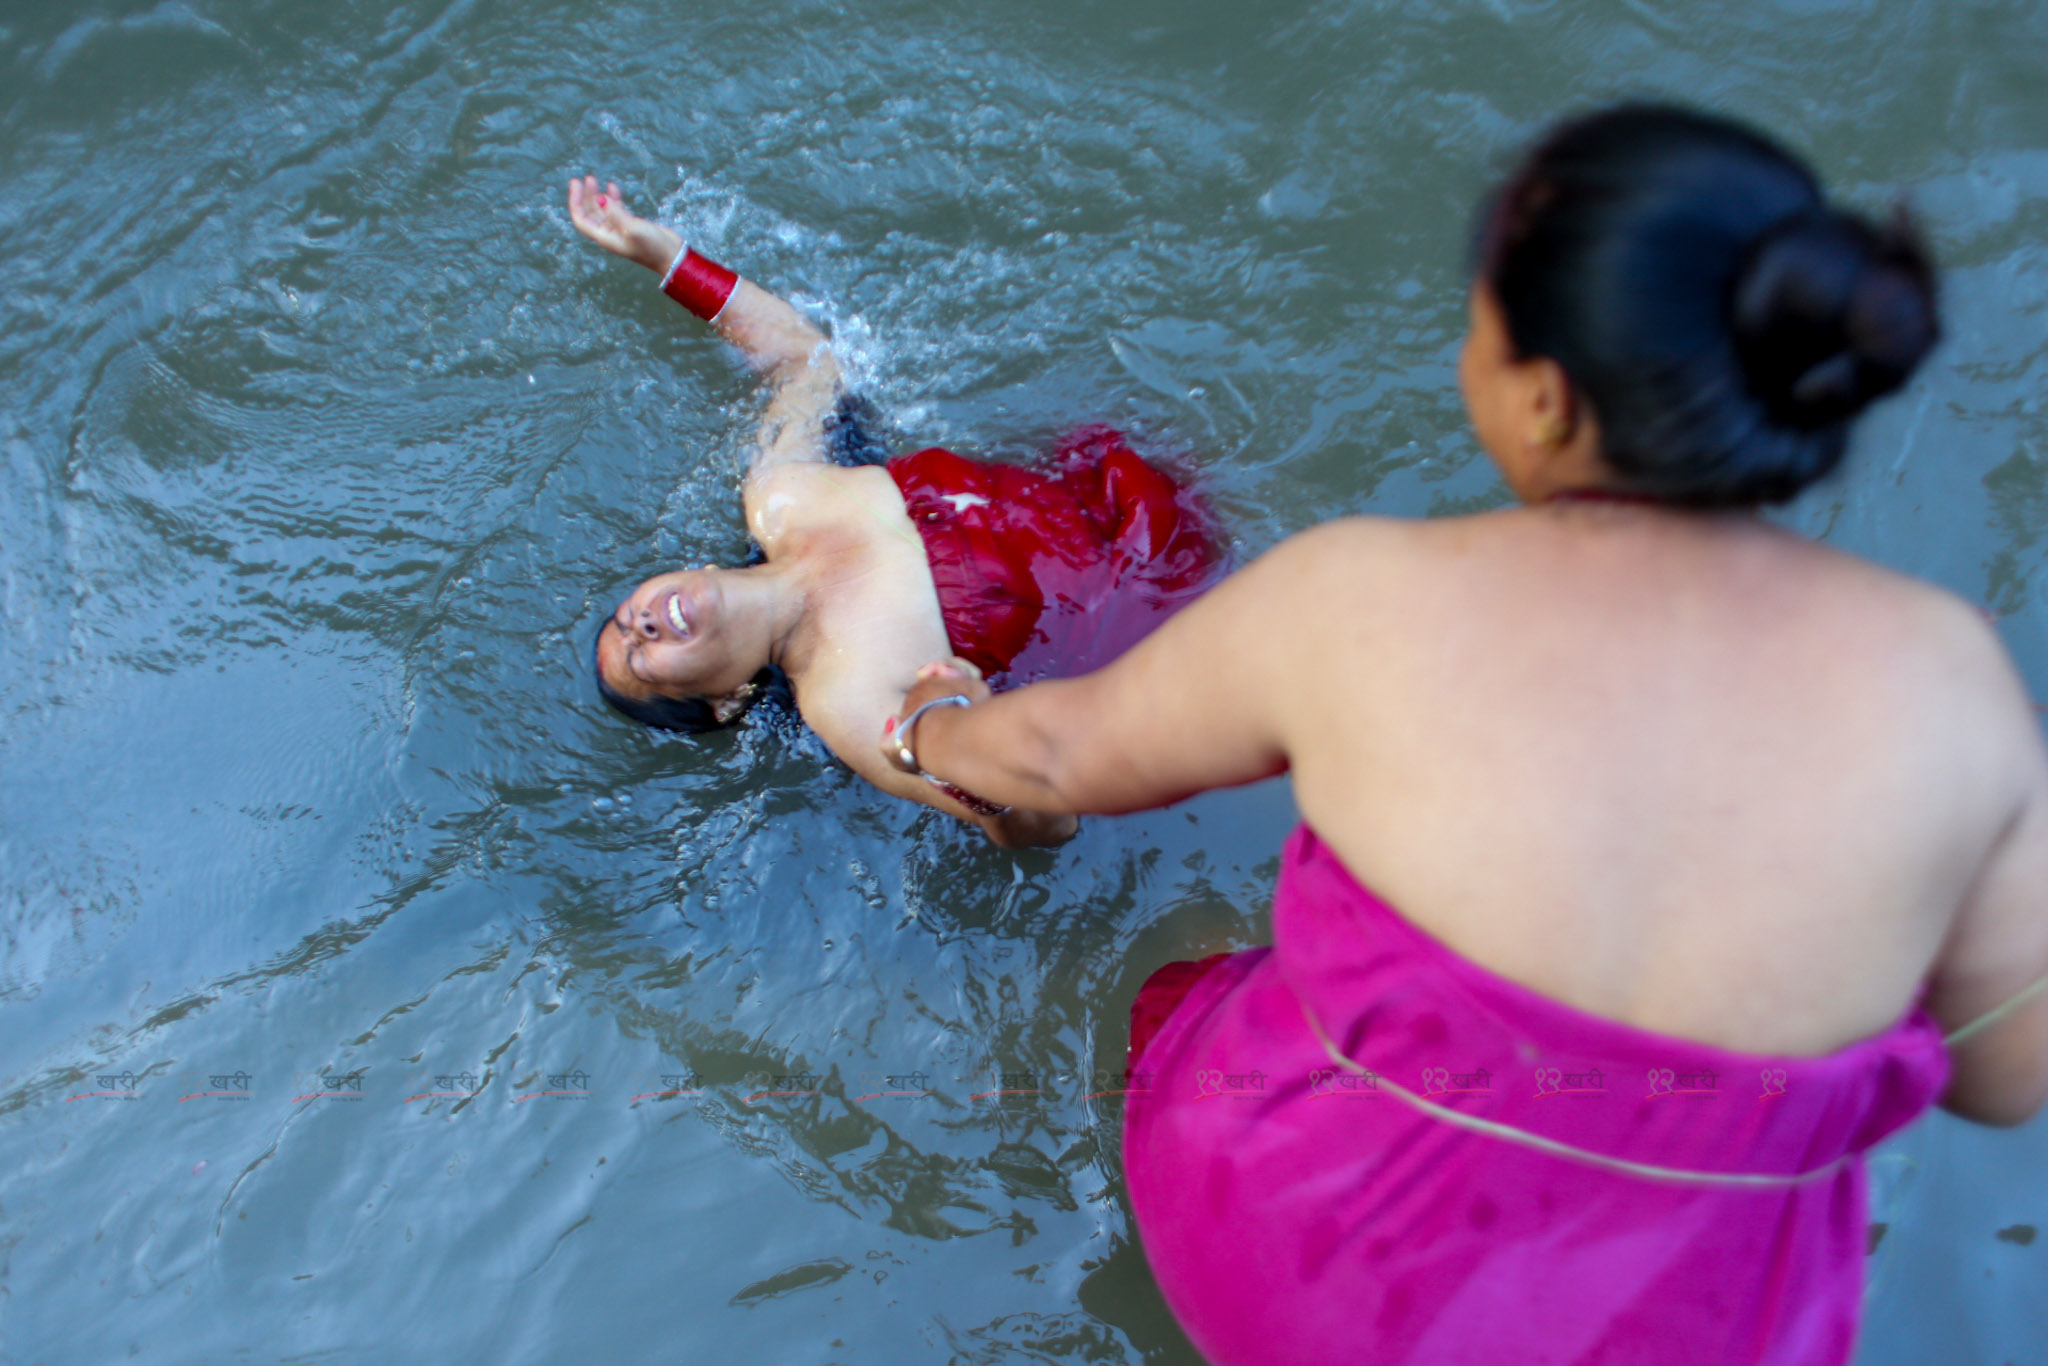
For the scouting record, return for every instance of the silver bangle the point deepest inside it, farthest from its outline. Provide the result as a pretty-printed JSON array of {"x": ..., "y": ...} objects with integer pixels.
[
  {"x": 670, "y": 273},
  {"x": 909, "y": 723}
]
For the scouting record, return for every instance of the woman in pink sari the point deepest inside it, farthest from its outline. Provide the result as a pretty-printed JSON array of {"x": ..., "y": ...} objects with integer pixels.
[{"x": 1649, "y": 852}]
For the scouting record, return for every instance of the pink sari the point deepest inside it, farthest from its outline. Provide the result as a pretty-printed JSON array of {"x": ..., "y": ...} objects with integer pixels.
[{"x": 1359, "y": 1146}]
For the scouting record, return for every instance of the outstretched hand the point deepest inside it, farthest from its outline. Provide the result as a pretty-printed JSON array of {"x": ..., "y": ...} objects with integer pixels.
[{"x": 602, "y": 216}]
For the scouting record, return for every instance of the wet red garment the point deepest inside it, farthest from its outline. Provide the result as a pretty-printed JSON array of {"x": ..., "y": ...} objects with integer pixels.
[{"x": 1050, "y": 574}]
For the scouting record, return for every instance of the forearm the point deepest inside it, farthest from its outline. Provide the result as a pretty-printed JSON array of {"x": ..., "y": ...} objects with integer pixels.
[
  {"x": 654, "y": 246},
  {"x": 775, "y": 338},
  {"x": 1015, "y": 749},
  {"x": 1205, "y": 701},
  {"x": 1015, "y": 828}
]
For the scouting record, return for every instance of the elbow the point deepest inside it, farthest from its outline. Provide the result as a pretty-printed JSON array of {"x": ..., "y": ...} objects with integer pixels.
[
  {"x": 1029, "y": 829},
  {"x": 2006, "y": 1107}
]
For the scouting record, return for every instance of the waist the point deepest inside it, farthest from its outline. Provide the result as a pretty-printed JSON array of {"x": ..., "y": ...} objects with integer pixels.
[{"x": 1381, "y": 996}]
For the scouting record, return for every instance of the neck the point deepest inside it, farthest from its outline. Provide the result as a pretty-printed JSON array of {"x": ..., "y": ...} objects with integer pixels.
[
  {"x": 1597, "y": 494},
  {"x": 770, "y": 595}
]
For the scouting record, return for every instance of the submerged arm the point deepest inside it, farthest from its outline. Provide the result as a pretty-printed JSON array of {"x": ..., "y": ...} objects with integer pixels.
[{"x": 846, "y": 723}]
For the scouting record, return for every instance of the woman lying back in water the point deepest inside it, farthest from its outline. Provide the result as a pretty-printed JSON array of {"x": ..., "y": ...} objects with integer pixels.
[{"x": 872, "y": 566}]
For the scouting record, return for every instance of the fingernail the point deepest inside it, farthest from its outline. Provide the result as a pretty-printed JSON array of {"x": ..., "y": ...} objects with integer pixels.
[
  {"x": 600, "y": 201},
  {"x": 889, "y": 726}
]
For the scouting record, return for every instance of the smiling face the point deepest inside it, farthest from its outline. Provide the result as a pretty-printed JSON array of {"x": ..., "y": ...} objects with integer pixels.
[{"x": 674, "y": 637}]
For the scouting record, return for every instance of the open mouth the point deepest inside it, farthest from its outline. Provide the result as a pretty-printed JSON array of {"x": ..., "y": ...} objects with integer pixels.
[{"x": 675, "y": 614}]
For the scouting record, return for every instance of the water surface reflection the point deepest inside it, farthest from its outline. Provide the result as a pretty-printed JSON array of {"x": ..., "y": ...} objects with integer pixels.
[{"x": 329, "y": 443}]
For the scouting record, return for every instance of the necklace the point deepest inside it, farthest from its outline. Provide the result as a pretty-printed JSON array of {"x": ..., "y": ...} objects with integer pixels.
[{"x": 1595, "y": 494}]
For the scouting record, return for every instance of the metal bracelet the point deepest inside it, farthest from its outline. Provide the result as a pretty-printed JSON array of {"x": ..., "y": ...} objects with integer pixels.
[
  {"x": 670, "y": 273},
  {"x": 909, "y": 723}
]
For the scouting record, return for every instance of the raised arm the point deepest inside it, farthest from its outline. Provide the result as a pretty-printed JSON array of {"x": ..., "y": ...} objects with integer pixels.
[{"x": 792, "y": 355}]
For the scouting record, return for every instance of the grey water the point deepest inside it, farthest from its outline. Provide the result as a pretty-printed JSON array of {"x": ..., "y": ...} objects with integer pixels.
[{"x": 369, "y": 994}]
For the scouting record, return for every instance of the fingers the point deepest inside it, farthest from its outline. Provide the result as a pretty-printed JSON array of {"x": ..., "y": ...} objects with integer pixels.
[
  {"x": 941, "y": 678},
  {"x": 588, "y": 203},
  {"x": 601, "y": 214},
  {"x": 583, "y": 211},
  {"x": 955, "y": 667}
]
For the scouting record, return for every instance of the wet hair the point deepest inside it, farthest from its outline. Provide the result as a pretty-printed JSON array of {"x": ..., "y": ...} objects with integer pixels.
[
  {"x": 1723, "y": 322},
  {"x": 689, "y": 715},
  {"x": 849, "y": 440}
]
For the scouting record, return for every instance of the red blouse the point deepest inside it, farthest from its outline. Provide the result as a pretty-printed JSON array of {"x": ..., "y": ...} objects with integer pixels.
[{"x": 1051, "y": 574}]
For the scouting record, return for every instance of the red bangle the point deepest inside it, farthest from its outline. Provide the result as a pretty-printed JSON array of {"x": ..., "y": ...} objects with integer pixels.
[{"x": 699, "y": 284}]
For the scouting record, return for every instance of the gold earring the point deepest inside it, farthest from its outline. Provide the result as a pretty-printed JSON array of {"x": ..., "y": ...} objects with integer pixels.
[
  {"x": 733, "y": 703},
  {"x": 1552, "y": 434}
]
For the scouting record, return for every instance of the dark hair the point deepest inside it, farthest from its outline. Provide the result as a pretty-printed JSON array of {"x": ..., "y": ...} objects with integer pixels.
[
  {"x": 690, "y": 715},
  {"x": 1723, "y": 322}
]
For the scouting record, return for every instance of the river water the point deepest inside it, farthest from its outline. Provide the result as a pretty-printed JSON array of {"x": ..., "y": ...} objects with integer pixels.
[{"x": 327, "y": 443}]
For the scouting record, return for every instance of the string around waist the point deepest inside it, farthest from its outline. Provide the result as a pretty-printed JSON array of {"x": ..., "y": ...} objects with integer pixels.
[
  {"x": 1647, "y": 1171},
  {"x": 1998, "y": 1012}
]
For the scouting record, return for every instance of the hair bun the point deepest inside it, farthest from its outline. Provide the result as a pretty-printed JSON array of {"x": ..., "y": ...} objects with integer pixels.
[{"x": 1831, "y": 312}]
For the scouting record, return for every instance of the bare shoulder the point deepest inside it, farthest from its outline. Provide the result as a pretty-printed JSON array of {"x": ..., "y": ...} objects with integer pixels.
[
  {"x": 789, "y": 505},
  {"x": 1343, "y": 549},
  {"x": 1956, "y": 638},
  {"x": 1944, "y": 661},
  {"x": 812, "y": 479}
]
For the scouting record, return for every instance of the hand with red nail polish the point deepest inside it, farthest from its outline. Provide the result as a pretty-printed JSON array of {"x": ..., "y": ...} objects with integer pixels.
[{"x": 602, "y": 216}]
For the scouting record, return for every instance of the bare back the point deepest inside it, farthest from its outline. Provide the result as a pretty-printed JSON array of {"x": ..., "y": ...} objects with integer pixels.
[
  {"x": 1763, "y": 778},
  {"x": 1683, "y": 771}
]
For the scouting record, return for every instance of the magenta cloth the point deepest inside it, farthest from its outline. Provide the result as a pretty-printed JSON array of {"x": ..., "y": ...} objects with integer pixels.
[{"x": 1294, "y": 1213}]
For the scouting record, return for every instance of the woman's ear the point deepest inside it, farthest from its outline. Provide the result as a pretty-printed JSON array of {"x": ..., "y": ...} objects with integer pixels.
[
  {"x": 1561, "y": 441},
  {"x": 1552, "y": 410}
]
